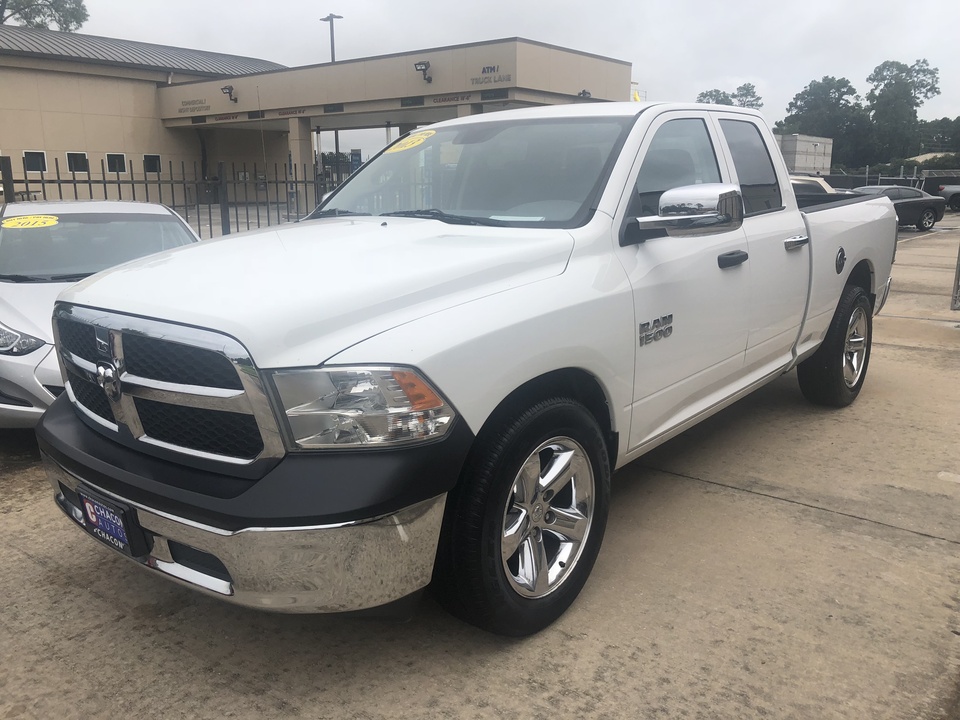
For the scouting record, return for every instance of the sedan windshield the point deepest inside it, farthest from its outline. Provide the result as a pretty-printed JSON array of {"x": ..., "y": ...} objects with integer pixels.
[
  {"x": 67, "y": 248},
  {"x": 540, "y": 173}
]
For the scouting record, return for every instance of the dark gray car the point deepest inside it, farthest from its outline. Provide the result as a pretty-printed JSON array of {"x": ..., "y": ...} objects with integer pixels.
[{"x": 914, "y": 207}]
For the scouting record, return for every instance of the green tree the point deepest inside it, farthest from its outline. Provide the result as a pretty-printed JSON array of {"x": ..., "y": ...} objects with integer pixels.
[
  {"x": 898, "y": 91},
  {"x": 67, "y": 15},
  {"x": 715, "y": 97},
  {"x": 744, "y": 96},
  {"x": 830, "y": 107},
  {"x": 941, "y": 135}
]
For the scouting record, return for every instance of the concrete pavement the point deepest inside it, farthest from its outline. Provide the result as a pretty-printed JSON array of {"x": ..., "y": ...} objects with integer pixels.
[{"x": 779, "y": 560}]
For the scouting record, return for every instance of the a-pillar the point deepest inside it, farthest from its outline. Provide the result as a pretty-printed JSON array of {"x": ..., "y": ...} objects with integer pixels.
[{"x": 300, "y": 147}]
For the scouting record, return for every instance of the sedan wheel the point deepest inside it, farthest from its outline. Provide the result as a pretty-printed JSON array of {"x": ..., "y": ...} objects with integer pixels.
[{"x": 927, "y": 219}]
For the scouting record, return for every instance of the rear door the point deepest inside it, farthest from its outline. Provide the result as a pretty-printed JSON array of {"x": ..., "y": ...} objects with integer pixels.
[{"x": 779, "y": 249}]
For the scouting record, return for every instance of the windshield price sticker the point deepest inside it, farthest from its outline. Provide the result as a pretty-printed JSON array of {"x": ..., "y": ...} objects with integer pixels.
[
  {"x": 411, "y": 141},
  {"x": 22, "y": 222}
]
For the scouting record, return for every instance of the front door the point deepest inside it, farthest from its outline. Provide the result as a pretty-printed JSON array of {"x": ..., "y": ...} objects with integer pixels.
[{"x": 691, "y": 314}]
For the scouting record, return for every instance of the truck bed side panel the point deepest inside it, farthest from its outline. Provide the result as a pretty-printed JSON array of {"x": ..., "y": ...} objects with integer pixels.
[{"x": 862, "y": 230}]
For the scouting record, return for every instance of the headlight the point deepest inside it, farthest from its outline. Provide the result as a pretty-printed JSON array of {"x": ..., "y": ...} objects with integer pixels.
[
  {"x": 360, "y": 406},
  {"x": 17, "y": 343}
]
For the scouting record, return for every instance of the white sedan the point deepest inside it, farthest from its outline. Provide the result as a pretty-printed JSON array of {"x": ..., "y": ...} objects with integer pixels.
[{"x": 44, "y": 248}]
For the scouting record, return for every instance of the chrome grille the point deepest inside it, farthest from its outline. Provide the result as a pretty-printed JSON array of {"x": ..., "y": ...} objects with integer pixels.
[{"x": 175, "y": 388}]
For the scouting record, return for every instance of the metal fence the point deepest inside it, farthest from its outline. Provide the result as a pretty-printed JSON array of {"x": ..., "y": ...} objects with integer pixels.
[{"x": 239, "y": 197}]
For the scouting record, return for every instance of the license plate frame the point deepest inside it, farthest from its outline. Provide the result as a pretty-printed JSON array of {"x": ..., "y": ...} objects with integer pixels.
[{"x": 112, "y": 523}]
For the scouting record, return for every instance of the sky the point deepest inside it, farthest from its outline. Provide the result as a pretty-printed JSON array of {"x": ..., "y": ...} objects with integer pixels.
[{"x": 678, "y": 48}]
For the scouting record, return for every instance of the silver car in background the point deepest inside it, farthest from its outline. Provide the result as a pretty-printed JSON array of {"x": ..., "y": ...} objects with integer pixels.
[{"x": 44, "y": 248}]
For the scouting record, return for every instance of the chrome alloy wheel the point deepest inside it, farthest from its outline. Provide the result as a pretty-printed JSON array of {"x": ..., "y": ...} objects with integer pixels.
[
  {"x": 855, "y": 347},
  {"x": 547, "y": 518}
]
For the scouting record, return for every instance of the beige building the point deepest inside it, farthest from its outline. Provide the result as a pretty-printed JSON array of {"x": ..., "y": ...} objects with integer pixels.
[
  {"x": 806, "y": 154},
  {"x": 79, "y": 106}
]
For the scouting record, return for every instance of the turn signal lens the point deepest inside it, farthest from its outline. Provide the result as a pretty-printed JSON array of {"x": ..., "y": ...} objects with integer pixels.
[{"x": 360, "y": 407}]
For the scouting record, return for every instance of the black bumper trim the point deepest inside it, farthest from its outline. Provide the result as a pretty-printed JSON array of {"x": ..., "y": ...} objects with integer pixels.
[{"x": 301, "y": 490}]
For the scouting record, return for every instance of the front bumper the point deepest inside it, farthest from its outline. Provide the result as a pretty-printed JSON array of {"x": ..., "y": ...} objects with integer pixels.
[
  {"x": 315, "y": 532},
  {"x": 333, "y": 568},
  {"x": 25, "y": 384}
]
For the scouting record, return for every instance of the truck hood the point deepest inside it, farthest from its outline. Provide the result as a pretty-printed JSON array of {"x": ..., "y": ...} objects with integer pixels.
[{"x": 299, "y": 294}]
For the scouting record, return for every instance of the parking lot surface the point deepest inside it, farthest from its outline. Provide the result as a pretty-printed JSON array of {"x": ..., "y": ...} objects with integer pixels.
[{"x": 779, "y": 560}]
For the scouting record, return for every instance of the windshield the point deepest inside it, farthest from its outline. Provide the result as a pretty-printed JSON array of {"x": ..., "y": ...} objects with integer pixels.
[
  {"x": 66, "y": 248},
  {"x": 539, "y": 173}
]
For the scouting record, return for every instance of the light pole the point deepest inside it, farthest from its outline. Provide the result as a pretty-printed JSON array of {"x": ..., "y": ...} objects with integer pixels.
[
  {"x": 333, "y": 50},
  {"x": 333, "y": 58}
]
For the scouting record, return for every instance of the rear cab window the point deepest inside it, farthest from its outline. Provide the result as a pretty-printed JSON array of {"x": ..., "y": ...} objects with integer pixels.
[{"x": 755, "y": 170}]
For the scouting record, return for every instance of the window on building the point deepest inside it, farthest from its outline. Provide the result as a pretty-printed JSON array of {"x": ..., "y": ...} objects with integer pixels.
[
  {"x": 151, "y": 164},
  {"x": 35, "y": 161},
  {"x": 116, "y": 163},
  {"x": 78, "y": 163},
  {"x": 758, "y": 179}
]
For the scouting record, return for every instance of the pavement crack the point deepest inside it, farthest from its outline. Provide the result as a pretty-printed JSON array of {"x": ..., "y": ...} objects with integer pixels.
[{"x": 811, "y": 506}]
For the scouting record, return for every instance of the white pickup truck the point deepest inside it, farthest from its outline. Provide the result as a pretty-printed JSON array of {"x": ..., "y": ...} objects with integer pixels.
[{"x": 433, "y": 378}]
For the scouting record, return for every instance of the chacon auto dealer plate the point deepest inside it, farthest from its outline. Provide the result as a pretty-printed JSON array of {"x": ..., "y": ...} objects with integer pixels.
[{"x": 106, "y": 521}]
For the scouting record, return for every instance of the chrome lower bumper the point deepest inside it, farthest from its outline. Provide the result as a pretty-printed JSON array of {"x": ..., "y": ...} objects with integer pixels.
[{"x": 330, "y": 568}]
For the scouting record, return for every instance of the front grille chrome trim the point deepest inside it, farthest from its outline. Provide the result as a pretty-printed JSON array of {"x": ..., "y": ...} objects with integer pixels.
[{"x": 252, "y": 400}]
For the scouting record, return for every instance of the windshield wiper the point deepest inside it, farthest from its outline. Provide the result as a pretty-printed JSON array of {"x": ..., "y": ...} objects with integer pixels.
[
  {"x": 435, "y": 214},
  {"x": 332, "y": 212},
  {"x": 70, "y": 277},
  {"x": 24, "y": 278}
]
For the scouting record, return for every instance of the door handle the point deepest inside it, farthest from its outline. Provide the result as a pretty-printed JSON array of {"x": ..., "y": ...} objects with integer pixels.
[
  {"x": 731, "y": 259},
  {"x": 795, "y": 242}
]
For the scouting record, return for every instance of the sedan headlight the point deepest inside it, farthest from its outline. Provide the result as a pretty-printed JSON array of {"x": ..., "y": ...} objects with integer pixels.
[
  {"x": 346, "y": 407},
  {"x": 17, "y": 343}
]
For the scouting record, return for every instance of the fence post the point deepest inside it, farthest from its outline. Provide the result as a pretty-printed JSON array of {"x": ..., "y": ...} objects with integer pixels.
[
  {"x": 6, "y": 177},
  {"x": 222, "y": 196},
  {"x": 955, "y": 301}
]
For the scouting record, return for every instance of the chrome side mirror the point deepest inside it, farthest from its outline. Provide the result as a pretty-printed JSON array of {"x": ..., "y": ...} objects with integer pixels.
[{"x": 690, "y": 210}]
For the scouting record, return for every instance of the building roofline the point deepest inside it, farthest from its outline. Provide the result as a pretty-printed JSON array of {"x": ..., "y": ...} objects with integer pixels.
[
  {"x": 426, "y": 50},
  {"x": 17, "y": 41}
]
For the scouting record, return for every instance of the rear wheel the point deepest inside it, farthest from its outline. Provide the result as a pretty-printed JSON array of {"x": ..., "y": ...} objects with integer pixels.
[
  {"x": 835, "y": 373},
  {"x": 927, "y": 219},
  {"x": 525, "y": 524}
]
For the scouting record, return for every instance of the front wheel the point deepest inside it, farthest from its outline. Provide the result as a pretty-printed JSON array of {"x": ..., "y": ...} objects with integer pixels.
[
  {"x": 834, "y": 374},
  {"x": 955, "y": 203},
  {"x": 927, "y": 219},
  {"x": 526, "y": 521}
]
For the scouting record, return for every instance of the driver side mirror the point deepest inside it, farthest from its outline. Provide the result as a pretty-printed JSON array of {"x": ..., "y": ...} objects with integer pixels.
[{"x": 691, "y": 210}]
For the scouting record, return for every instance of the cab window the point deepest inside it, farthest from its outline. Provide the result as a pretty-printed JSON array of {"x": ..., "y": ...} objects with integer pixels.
[
  {"x": 758, "y": 179},
  {"x": 680, "y": 154}
]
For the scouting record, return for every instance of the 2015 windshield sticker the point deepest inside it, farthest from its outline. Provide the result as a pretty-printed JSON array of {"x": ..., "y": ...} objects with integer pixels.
[
  {"x": 411, "y": 141},
  {"x": 22, "y": 222}
]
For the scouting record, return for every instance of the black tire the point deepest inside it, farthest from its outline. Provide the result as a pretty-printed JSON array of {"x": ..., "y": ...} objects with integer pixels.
[
  {"x": 474, "y": 576},
  {"x": 927, "y": 220},
  {"x": 955, "y": 203},
  {"x": 834, "y": 374}
]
